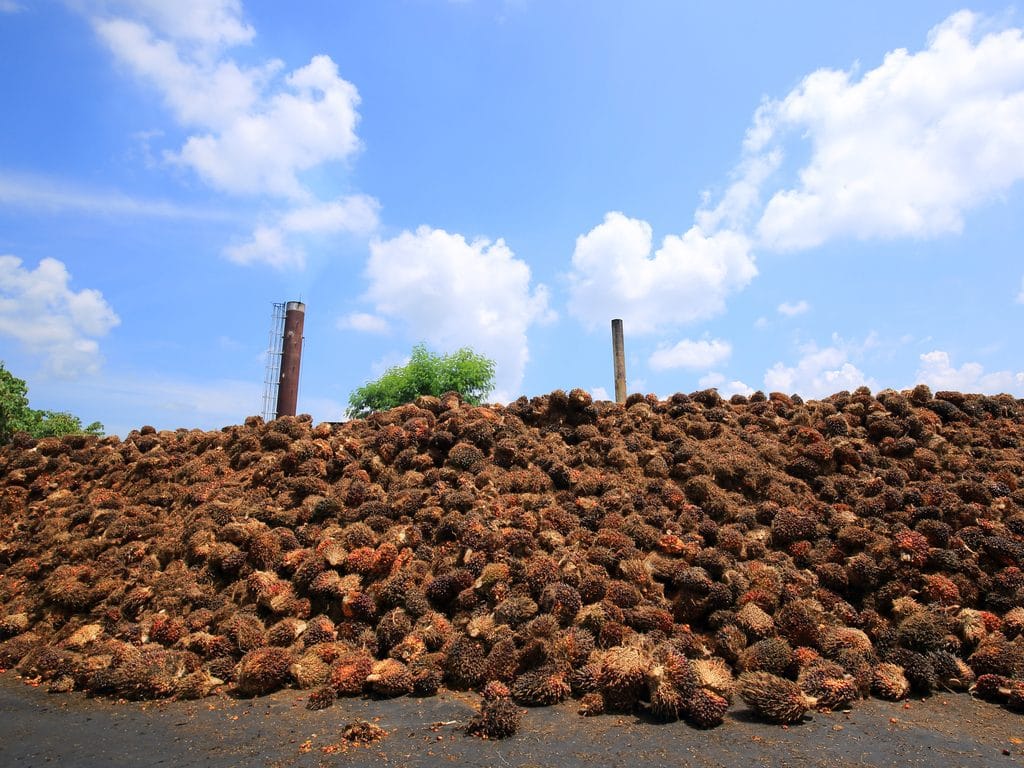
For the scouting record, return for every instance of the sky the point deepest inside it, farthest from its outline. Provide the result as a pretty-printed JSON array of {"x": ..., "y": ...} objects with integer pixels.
[{"x": 801, "y": 197}]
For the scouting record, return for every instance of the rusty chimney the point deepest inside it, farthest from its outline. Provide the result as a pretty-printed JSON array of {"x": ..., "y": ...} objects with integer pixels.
[{"x": 291, "y": 358}]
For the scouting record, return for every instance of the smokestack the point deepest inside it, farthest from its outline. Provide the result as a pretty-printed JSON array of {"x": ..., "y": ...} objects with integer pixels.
[
  {"x": 619, "y": 361},
  {"x": 291, "y": 358}
]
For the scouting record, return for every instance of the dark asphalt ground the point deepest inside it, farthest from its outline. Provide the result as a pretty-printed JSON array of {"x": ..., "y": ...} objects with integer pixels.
[{"x": 72, "y": 731}]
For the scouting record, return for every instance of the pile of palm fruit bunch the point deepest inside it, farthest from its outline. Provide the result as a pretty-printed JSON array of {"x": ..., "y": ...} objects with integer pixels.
[{"x": 669, "y": 558}]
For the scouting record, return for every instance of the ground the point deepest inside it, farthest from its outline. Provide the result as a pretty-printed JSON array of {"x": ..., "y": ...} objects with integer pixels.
[{"x": 73, "y": 731}]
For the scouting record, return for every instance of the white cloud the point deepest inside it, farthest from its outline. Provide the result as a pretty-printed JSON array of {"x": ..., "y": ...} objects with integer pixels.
[
  {"x": 200, "y": 88},
  {"x": 9, "y": 6},
  {"x": 691, "y": 354},
  {"x": 821, "y": 371},
  {"x": 599, "y": 393},
  {"x": 205, "y": 23},
  {"x": 276, "y": 246},
  {"x": 453, "y": 293},
  {"x": 39, "y": 310},
  {"x": 263, "y": 150},
  {"x": 904, "y": 150},
  {"x": 267, "y": 246},
  {"x": 793, "y": 309},
  {"x": 688, "y": 278},
  {"x": 355, "y": 213},
  {"x": 364, "y": 322},
  {"x": 255, "y": 130},
  {"x": 725, "y": 388},
  {"x": 1020, "y": 296},
  {"x": 937, "y": 371},
  {"x": 39, "y": 193}
]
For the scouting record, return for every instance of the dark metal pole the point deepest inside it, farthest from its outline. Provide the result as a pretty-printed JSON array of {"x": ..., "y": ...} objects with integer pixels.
[
  {"x": 291, "y": 358},
  {"x": 619, "y": 357}
]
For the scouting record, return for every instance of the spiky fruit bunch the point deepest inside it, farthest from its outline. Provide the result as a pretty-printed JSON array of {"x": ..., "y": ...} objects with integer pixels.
[
  {"x": 773, "y": 654},
  {"x": 262, "y": 671},
  {"x": 837, "y": 641},
  {"x": 1013, "y": 622},
  {"x": 622, "y": 676},
  {"x": 390, "y": 678},
  {"x": 705, "y": 708},
  {"x": 921, "y": 631},
  {"x": 498, "y": 719},
  {"x": 889, "y": 682},
  {"x": 715, "y": 675},
  {"x": 495, "y": 690},
  {"x": 195, "y": 685},
  {"x": 774, "y": 698},
  {"x": 167, "y": 630},
  {"x": 349, "y": 673},
  {"x": 753, "y": 620},
  {"x": 464, "y": 665},
  {"x": 427, "y": 675},
  {"x": 1015, "y": 698},
  {"x": 310, "y": 671},
  {"x": 285, "y": 632},
  {"x": 591, "y": 704},
  {"x": 828, "y": 683},
  {"x": 319, "y": 629},
  {"x": 665, "y": 700},
  {"x": 540, "y": 687},
  {"x": 992, "y": 687}
]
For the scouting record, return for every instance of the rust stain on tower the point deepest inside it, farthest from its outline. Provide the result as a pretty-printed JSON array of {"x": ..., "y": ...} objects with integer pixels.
[{"x": 291, "y": 358}]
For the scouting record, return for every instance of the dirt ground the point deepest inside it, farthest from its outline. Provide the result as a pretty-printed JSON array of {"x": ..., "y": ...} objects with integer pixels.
[{"x": 40, "y": 729}]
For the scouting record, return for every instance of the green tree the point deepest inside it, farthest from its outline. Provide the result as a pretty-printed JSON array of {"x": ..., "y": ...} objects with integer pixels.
[
  {"x": 17, "y": 416},
  {"x": 464, "y": 371}
]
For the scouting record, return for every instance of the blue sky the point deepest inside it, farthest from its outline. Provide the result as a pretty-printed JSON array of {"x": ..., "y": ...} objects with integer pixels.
[{"x": 794, "y": 196}]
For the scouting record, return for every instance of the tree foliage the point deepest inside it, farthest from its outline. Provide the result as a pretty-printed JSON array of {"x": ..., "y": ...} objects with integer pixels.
[
  {"x": 17, "y": 416},
  {"x": 464, "y": 371}
]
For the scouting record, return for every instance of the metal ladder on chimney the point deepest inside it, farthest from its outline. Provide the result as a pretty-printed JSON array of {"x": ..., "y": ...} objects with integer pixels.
[{"x": 272, "y": 373}]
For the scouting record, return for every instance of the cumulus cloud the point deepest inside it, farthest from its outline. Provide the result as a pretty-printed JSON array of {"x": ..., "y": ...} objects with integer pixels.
[
  {"x": 267, "y": 246},
  {"x": 793, "y": 309},
  {"x": 39, "y": 310},
  {"x": 201, "y": 88},
  {"x": 263, "y": 150},
  {"x": 453, "y": 293},
  {"x": 938, "y": 372},
  {"x": 820, "y": 371},
  {"x": 903, "y": 150},
  {"x": 364, "y": 322},
  {"x": 205, "y": 23},
  {"x": 599, "y": 393},
  {"x": 259, "y": 131},
  {"x": 1020, "y": 296},
  {"x": 254, "y": 130},
  {"x": 355, "y": 213},
  {"x": 615, "y": 275},
  {"x": 690, "y": 354},
  {"x": 276, "y": 245},
  {"x": 726, "y": 388}
]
